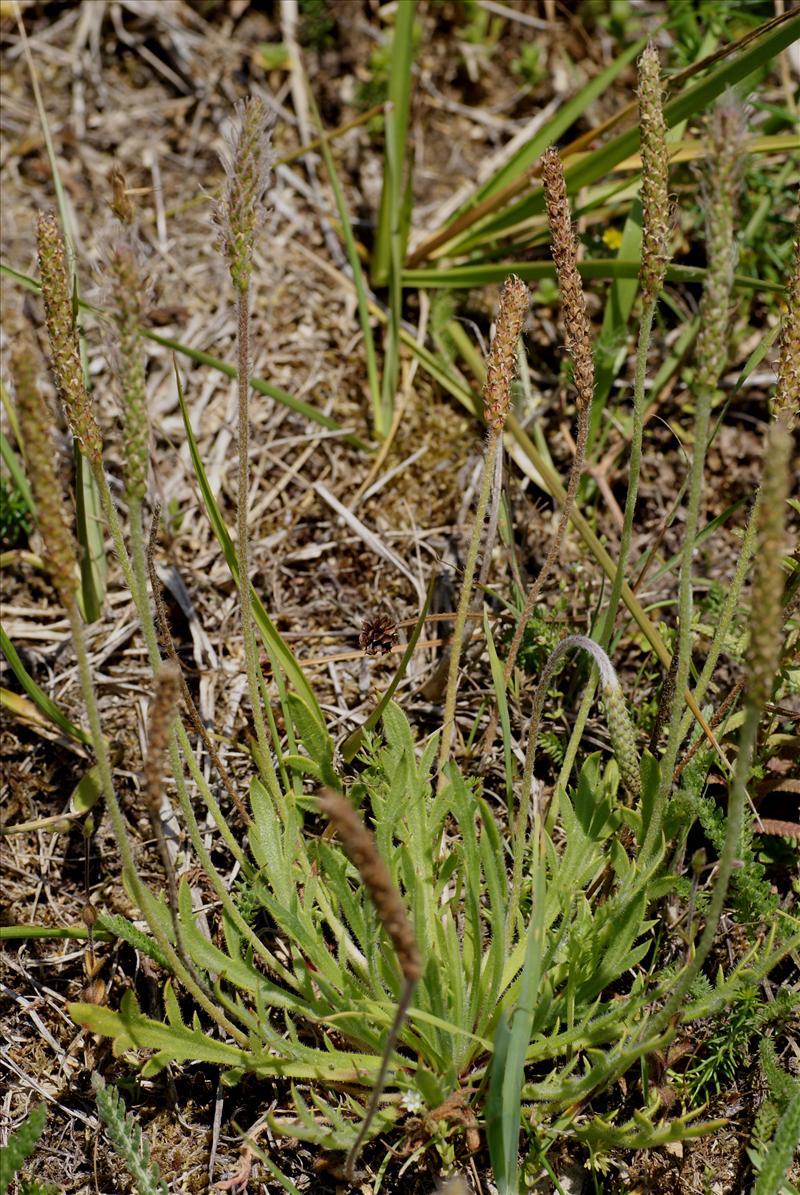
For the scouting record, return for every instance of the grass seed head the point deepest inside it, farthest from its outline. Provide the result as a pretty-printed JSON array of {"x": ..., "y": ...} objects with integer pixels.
[
  {"x": 63, "y": 339},
  {"x": 655, "y": 173},
  {"x": 51, "y": 511},
  {"x": 502, "y": 362},
  {"x": 565, "y": 255},
  {"x": 127, "y": 301},
  {"x": 163, "y": 709},
  {"x": 360, "y": 848},
  {"x": 721, "y": 188},
  {"x": 241, "y": 211}
]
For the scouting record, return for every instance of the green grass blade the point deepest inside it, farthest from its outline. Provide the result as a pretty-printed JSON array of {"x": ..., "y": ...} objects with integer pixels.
[
  {"x": 261, "y": 387},
  {"x": 689, "y": 102},
  {"x": 89, "y": 531},
  {"x": 355, "y": 266},
  {"x": 399, "y": 99},
  {"x": 527, "y": 155},
  {"x": 14, "y": 466},
  {"x": 484, "y": 273},
  {"x": 37, "y": 695},
  {"x": 273, "y": 641},
  {"x": 201, "y": 358}
]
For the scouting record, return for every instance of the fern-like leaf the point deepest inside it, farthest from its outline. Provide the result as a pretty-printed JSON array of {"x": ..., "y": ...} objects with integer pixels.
[
  {"x": 781, "y": 1151},
  {"x": 21, "y": 1145},
  {"x": 130, "y": 1145}
]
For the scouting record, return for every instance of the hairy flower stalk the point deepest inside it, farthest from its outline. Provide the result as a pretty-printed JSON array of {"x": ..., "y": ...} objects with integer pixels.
[
  {"x": 621, "y": 732},
  {"x": 500, "y": 369},
  {"x": 786, "y": 404},
  {"x": 61, "y": 553},
  {"x": 564, "y": 248},
  {"x": 126, "y": 314},
  {"x": 652, "y": 272},
  {"x": 239, "y": 216},
  {"x": 710, "y": 355},
  {"x": 360, "y": 847},
  {"x": 763, "y": 655}
]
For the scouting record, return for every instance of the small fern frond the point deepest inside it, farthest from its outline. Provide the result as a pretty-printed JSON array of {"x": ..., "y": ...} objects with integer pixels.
[
  {"x": 21, "y": 1145},
  {"x": 130, "y": 1145}
]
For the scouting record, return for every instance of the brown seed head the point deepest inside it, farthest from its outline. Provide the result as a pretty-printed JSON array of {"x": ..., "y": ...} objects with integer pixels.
[
  {"x": 565, "y": 255},
  {"x": 766, "y": 608},
  {"x": 63, "y": 339},
  {"x": 359, "y": 846},
  {"x": 786, "y": 404},
  {"x": 161, "y": 715},
  {"x": 502, "y": 363},
  {"x": 655, "y": 171},
  {"x": 241, "y": 211},
  {"x": 121, "y": 202},
  {"x": 51, "y": 514}
]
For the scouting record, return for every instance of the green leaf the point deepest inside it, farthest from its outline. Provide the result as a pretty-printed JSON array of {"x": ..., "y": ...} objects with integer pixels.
[
  {"x": 37, "y": 695},
  {"x": 273, "y": 641},
  {"x": 689, "y": 102},
  {"x": 89, "y": 531}
]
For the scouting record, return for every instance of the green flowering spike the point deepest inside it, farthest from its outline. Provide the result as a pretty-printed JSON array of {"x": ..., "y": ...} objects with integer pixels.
[
  {"x": 727, "y": 134},
  {"x": 51, "y": 514},
  {"x": 241, "y": 210},
  {"x": 63, "y": 340},
  {"x": 655, "y": 171},
  {"x": 623, "y": 739},
  {"x": 128, "y": 293}
]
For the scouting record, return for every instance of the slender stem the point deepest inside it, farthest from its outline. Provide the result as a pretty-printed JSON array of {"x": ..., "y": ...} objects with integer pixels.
[
  {"x": 670, "y": 755},
  {"x": 121, "y": 831},
  {"x": 243, "y": 538},
  {"x": 378, "y": 1085},
  {"x": 448, "y": 722},
  {"x": 725, "y": 866},
  {"x": 729, "y": 607}
]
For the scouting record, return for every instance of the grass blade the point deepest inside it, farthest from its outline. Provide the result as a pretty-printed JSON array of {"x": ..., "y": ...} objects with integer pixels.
[
  {"x": 273, "y": 641},
  {"x": 37, "y": 695}
]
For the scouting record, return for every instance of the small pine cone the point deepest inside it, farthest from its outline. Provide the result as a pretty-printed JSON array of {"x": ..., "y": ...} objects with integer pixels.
[
  {"x": 502, "y": 363},
  {"x": 623, "y": 739},
  {"x": 63, "y": 340},
  {"x": 655, "y": 170},
  {"x": 378, "y": 635},
  {"x": 51, "y": 515}
]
